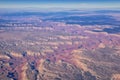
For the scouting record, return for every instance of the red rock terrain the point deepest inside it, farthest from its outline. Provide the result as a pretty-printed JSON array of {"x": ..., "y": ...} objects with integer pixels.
[{"x": 61, "y": 52}]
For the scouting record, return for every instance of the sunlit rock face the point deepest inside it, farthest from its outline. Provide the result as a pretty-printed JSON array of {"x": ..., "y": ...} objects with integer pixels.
[{"x": 58, "y": 51}]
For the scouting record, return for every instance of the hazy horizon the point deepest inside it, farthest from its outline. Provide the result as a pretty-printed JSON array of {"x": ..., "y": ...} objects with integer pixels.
[{"x": 45, "y": 4}]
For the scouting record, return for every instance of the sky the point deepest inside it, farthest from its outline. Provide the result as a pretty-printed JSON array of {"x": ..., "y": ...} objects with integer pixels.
[{"x": 60, "y": 4}]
